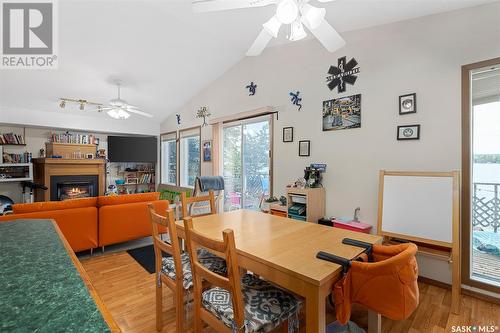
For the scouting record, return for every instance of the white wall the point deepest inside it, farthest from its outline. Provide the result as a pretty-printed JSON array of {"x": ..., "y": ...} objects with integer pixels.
[{"x": 423, "y": 55}]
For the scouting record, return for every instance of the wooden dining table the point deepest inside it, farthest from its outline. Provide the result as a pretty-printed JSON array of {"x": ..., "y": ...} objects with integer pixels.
[{"x": 283, "y": 251}]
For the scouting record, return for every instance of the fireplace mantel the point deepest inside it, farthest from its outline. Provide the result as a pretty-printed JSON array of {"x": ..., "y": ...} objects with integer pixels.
[{"x": 44, "y": 168}]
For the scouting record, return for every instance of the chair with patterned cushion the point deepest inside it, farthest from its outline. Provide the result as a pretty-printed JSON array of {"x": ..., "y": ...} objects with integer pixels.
[
  {"x": 235, "y": 303},
  {"x": 173, "y": 271},
  {"x": 166, "y": 267}
]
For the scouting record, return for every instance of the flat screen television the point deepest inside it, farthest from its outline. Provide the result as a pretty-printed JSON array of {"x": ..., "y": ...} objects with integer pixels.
[{"x": 132, "y": 149}]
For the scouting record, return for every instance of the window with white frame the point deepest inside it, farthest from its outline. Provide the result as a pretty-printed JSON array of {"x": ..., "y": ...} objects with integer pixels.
[
  {"x": 189, "y": 156},
  {"x": 169, "y": 158}
]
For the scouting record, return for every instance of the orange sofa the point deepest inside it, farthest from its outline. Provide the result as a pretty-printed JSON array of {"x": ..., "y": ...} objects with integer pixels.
[{"x": 91, "y": 222}]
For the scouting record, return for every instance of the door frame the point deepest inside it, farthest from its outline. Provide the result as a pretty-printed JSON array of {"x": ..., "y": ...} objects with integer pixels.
[
  {"x": 466, "y": 175},
  {"x": 250, "y": 120}
]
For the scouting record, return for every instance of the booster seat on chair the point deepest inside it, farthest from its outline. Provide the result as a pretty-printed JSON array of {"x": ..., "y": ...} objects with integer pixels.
[{"x": 383, "y": 279}]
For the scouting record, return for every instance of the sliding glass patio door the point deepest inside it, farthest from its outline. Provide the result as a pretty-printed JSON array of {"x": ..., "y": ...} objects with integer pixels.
[
  {"x": 246, "y": 162},
  {"x": 482, "y": 178}
]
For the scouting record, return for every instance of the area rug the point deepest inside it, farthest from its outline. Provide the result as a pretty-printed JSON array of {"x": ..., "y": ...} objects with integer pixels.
[{"x": 145, "y": 256}]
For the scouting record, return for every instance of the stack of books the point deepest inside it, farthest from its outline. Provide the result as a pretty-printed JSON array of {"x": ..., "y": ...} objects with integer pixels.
[
  {"x": 146, "y": 178},
  {"x": 12, "y": 139},
  {"x": 84, "y": 139}
]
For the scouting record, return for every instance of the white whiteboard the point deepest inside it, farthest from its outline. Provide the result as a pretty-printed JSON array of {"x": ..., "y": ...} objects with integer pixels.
[{"x": 418, "y": 206}]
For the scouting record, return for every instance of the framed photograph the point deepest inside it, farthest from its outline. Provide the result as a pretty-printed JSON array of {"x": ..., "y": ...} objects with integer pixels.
[
  {"x": 89, "y": 156},
  {"x": 207, "y": 150},
  {"x": 287, "y": 134},
  {"x": 305, "y": 148},
  {"x": 342, "y": 113},
  {"x": 409, "y": 132},
  {"x": 408, "y": 104}
]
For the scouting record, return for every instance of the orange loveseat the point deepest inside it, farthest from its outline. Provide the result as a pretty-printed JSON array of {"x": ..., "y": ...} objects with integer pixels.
[{"x": 91, "y": 222}]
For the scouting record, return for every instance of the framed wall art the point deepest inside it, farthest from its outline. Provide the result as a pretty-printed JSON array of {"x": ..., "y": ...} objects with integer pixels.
[
  {"x": 408, "y": 104},
  {"x": 305, "y": 148},
  {"x": 287, "y": 134},
  {"x": 409, "y": 132}
]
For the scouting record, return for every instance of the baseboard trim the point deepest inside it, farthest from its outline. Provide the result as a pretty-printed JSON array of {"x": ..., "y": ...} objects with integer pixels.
[{"x": 467, "y": 292}]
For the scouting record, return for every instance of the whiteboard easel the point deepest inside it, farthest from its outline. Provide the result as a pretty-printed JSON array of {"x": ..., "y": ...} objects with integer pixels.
[{"x": 423, "y": 207}]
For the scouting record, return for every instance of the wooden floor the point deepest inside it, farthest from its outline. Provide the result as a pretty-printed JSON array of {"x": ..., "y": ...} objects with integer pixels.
[{"x": 128, "y": 292}]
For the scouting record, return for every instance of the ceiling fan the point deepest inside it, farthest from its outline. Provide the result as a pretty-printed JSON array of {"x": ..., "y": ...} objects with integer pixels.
[
  {"x": 117, "y": 107},
  {"x": 296, "y": 13}
]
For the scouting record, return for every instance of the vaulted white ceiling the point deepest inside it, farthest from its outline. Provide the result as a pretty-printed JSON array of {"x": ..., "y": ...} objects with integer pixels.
[{"x": 164, "y": 52}]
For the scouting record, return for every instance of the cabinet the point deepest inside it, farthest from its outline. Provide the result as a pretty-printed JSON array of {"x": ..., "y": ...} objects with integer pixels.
[{"x": 306, "y": 204}]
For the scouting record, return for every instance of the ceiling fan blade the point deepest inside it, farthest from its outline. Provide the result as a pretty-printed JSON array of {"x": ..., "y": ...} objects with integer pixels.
[
  {"x": 203, "y": 6},
  {"x": 142, "y": 113},
  {"x": 326, "y": 0},
  {"x": 259, "y": 44},
  {"x": 327, "y": 36}
]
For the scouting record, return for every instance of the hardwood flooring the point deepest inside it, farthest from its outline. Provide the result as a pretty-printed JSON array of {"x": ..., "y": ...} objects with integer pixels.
[{"x": 128, "y": 292}]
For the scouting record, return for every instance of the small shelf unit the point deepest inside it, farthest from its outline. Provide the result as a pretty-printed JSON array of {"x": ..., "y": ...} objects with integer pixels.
[{"x": 306, "y": 204}]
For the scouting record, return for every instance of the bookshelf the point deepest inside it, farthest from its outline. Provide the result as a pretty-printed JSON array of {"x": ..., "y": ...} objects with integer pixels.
[
  {"x": 13, "y": 140},
  {"x": 141, "y": 179}
]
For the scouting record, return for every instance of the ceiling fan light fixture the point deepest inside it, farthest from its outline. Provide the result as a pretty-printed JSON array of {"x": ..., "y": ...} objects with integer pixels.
[
  {"x": 118, "y": 114},
  {"x": 313, "y": 15},
  {"x": 297, "y": 31},
  {"x": 287, "y": 11},
  {"x": 272, "y": 26}
]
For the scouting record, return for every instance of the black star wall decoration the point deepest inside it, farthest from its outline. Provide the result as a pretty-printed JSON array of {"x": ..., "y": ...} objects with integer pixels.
[{"x": 342, "y": 73}]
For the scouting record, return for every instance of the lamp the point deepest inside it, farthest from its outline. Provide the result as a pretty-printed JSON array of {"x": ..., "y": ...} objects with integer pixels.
[
  {"x": 62, "y": 104},
  {"x": 314, "y": 16},
  {"x": 118, "y": 114},
  {"x": 82, "y": 105},
  {"x": 272, "y": 26},
  {"x": 287, "y": 11},
  {"x": 297, "y": 31}
]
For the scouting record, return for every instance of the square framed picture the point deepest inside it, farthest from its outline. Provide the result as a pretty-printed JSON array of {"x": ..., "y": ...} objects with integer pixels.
[
  {"x": 409, "y": 132},
  {"x": 287, "y": 134},
  {"x": 342, "y": 113},
  {"x": 305, "y": 148},
  {"x": 207, "y": 150},
  {"x": 408, "y": 104}
]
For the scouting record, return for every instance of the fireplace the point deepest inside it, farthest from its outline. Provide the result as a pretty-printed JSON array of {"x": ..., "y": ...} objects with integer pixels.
[{"x": 73, "y": 187}]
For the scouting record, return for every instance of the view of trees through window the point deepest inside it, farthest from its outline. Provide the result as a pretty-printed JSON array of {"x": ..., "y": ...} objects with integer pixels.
[
  {"x": 246, "y": 164},
  {"x": 190, "y": 150},
  {"x": 169, "y": 162}
]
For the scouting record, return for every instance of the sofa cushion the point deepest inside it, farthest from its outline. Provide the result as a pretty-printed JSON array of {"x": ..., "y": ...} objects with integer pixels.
[
  {"x": 53, "y": 205},
  {"x": 127, "y": 198}
]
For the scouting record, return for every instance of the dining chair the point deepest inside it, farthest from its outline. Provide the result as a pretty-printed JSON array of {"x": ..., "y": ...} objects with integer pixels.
[
  {"x": 174, "y": 271},
  {"x": 235, "y": 303},
  {"x": 189, "y": 204},
  {"x": 178, "y": 261}
]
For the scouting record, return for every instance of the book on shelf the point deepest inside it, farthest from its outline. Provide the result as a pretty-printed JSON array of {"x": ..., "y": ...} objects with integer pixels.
[
  {"x": 12, "y": 139},
  {"x": 83, "y": 139}
]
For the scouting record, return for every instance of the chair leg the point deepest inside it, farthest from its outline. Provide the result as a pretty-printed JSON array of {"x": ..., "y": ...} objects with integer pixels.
[
  {"x": 159, "y": 307},
  {"x": 91, "y": 251},
  {"x": 198, "y": 324},
  {"x": 284, "y": 327},
  {"x": 179, "y": 309}
]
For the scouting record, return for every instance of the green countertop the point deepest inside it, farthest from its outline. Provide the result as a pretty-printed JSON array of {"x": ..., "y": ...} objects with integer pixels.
[{"x": 40, "y": 288}]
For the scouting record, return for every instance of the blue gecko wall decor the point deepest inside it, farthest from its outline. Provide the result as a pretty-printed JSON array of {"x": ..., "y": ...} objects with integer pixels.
[
  {"x": 252, "y": 88},
  {"x": 296, "y": 99}
]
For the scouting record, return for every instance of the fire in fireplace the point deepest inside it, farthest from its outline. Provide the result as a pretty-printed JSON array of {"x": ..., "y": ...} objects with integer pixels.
[
  {"x": 73, "y": 187},
  {"x": 74, "y": 190}
]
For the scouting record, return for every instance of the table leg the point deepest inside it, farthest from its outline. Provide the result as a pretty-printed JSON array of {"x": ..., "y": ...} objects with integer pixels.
[
  {"x": 315, "y": 313},
  {"x": 374, "y": 322}
]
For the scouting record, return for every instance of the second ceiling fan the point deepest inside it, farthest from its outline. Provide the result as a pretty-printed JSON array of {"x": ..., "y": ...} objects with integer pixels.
[{"x": 296, "y": 13}]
